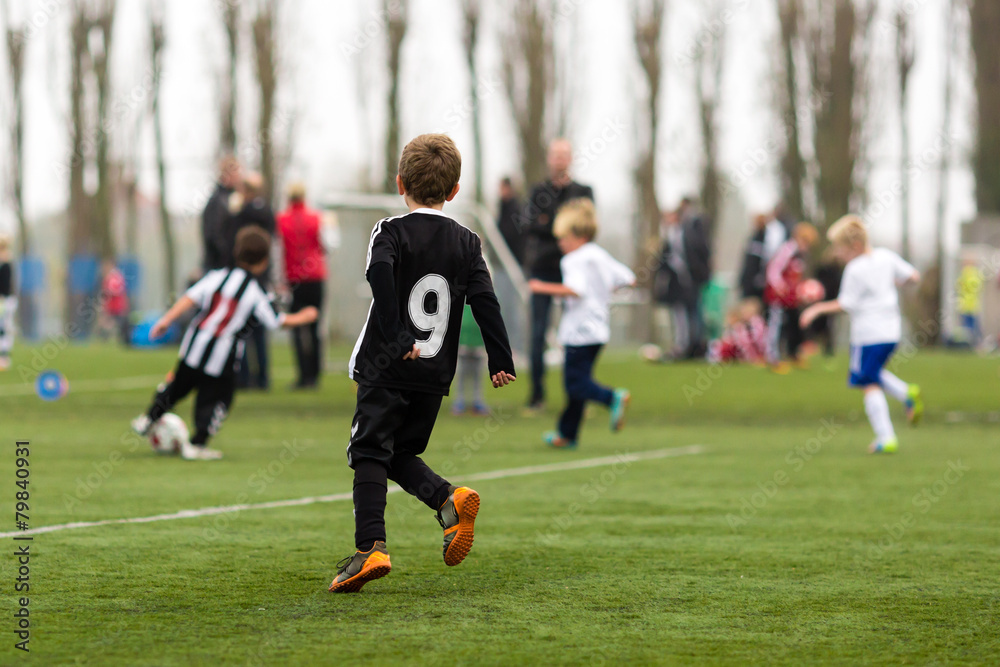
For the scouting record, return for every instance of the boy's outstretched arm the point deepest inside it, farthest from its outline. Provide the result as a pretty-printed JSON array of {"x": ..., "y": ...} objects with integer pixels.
[
  {"x": 183, "y": 304},
  {"x": 383, "y": 285},
  {"x": 818, "y": 309},
  {"x": 486, "y": 311},
  {"x": 307, "y": 315},
  {"x": 552, "y": 289}
]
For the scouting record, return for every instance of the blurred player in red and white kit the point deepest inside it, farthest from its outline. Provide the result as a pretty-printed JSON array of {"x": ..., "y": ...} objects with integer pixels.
[
  {"x": 785, "y": 272},
  {"x": 745, "y": 337}
]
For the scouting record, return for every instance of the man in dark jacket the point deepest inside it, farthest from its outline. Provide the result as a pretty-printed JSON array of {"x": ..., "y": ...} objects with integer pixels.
[
  {"x": 753, "y": 275},
  {"x": 542, "y": 254},
  {"x": 698, "y": 258},
  {"x": 509, "y": 219},
  {"x": 215, "y": 215},
  {"x": 252, "y": 209}
]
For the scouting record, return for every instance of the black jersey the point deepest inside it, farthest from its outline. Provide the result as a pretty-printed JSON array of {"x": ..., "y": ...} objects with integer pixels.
[{"x": 436, "y": 264}]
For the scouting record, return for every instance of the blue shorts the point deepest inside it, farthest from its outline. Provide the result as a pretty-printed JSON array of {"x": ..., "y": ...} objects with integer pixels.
[{"x": 867, "y": 362}]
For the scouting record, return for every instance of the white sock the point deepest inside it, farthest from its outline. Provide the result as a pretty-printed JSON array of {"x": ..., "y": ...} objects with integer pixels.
[
  {"x": 878, "y": 414},
  {"x": 893, "y": 386}
]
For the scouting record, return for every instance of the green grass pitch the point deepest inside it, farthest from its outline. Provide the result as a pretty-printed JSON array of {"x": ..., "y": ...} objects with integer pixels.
[{"x": 782, "y": 542}]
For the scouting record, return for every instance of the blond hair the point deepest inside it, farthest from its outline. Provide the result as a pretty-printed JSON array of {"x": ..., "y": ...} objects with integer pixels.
[
  {"x": 577, "y": 217},
  {"x": 4, "y": 242},
  {"x": 430, "y": 168},
  {"x": 848, "y": 231},
  {"x": 296, "y": 191}
]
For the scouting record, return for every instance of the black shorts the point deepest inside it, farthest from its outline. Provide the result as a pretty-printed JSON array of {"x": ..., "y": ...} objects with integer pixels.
[{"x": 389, "y": 422}]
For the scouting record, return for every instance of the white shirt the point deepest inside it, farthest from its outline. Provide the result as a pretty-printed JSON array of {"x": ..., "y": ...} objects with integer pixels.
[
  {"x": 868, "y": 293},
  {"x": 593, "y": 275}
]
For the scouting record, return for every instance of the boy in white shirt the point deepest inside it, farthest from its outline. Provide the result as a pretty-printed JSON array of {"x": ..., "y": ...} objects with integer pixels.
[
  {"x": 590, "y": 276},
  {"x": 868, "y": 293}
]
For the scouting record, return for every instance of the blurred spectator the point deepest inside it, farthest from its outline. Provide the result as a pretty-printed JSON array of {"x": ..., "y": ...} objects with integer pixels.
[
  {"x": 471, "y": 361},
  {"x": 673, "y": 286},
  {"x": 542, "y": 252},
  {"x": 697, "y": 256},
  {"x": 8, "y": 303},
  {"x": 249, "y": 207},
  {"x": 828, "y": 274},
  {"x": 745, "y": 337},
  {"x": 785, "y": 272},
  {"x": 508, "y": 220},
  {"x": 114, "y": 316},
  {"x": 216, "y": 250},
  {"x": 753, "y": 276},
  {"x": 300, "y": 230},
  {"x": 970, "y": 294}
]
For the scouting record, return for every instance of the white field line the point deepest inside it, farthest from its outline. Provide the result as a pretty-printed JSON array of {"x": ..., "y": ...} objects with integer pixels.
[
  {"x": 89, "y": 386},
  {"x": 311, "y": 500}
]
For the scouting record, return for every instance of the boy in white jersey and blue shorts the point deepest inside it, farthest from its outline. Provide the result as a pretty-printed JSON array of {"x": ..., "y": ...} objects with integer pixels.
[
  {"x": 589, "y": 276},
  {"x": 869, "y": 294}
]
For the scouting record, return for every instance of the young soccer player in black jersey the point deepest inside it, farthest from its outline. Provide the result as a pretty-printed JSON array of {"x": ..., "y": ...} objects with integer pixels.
[{"x": 422, "y": 267}]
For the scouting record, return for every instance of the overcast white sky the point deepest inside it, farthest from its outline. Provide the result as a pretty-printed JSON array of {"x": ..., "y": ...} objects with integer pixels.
[{"x": 337, "y": 137}]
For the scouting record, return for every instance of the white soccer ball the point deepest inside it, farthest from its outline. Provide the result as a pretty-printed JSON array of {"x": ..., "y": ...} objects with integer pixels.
[{"x": 167, "y": 434}]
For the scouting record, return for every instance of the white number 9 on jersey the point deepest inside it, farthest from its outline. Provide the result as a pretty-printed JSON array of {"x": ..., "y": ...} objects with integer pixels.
[{"x": 436, "y": 322}]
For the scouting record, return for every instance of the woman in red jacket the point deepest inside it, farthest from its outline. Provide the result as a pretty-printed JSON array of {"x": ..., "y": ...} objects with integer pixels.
[{"x": 300, "y": 232}]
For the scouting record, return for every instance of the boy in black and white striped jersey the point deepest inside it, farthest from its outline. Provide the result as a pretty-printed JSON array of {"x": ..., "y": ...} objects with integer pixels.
[{"x": 229, "y": 301}]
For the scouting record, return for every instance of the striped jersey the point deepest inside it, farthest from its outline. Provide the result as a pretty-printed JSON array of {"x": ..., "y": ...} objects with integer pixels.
[{"x": 229, "y": 301}]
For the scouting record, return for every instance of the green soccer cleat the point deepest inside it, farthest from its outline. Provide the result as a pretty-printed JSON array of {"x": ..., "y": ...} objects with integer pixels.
[
  {"x": 619, "y": 404},
  {"x": 556, "y": 441},
  {"x": 887, "y": 447},
  {"x": 914, "y": 405}
]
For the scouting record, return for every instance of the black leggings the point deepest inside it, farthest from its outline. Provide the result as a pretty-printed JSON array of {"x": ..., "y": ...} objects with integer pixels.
[{"x": 211, "y": 405}]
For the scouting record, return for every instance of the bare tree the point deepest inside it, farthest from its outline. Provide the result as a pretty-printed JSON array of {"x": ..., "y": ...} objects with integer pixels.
[
  {"x": 79, "y": 206},
  {"x": 266, "y": 51},
  {"x": 838, "y": 78},
  {"x": 396, "y": 13},
  {"x": 15, "y": 47},
  {"x": 157, "y": 40},
  {"x": 708, "y": 60},
  {"x": 230, "y": 10},
  {"x": 905, "y": 55},
  {"x": 793, "y": 166},
  {"x": 944, "y": 167},
  {"x": 649, "y": 34},
  {"x": 15, "y": 38},
  {"x": 985, "y": 20},
  {"x": 99, "y": 42},
  {"x": 528, "y": 67},
  {"x": 471, "y": 14}
]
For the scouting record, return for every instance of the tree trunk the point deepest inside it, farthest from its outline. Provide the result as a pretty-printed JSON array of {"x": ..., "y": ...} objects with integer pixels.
[
  {"x": 985, "y": 15},
  {"x": 793, "y": 168},
  {"x": 157, "y": 39},
  {"x": 227, "y": 130},
  {"x": 471, "y": 13},
  {"x": 396, "y": 33},
  {"x": 267, "y": 80},
  {"x": 78, "y": 237},
  {"x": 649, "y": 36},
  {"x": 904, "y": 63},
  {"x": 841, "y": 107},
  {"x": 102, "y": 209},
  {"x": 527, "y": 67}
]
